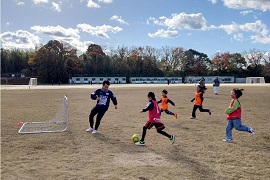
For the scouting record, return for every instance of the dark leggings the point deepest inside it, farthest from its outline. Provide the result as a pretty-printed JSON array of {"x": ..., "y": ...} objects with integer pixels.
[
  {"x": 100, "y": 113},
  {"x": 159, "y": 131},
  {"x": 195, "y": 107}
]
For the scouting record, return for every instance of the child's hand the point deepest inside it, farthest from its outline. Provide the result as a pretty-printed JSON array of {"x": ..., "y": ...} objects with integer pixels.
[{"x": 98, "y": 98}]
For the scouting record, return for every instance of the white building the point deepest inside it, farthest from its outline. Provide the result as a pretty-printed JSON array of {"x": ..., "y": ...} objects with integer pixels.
[
  {"x": 210, "y": 79},
  {"x": 97, "y": 80},
  {"x": 155, "y": 80}
]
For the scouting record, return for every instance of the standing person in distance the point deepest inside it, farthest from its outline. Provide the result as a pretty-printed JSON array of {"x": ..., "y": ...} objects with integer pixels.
[
  {"x": 234, "y": 113},
  {"x": 198, "y": 100},
  {"x": 202, "y": 84},
  {"x": 103, "y": 97},
  {"x": 153, "y": 120},
  {"x": 164, "y": 103},
  {"x": 216, "y": 85}
]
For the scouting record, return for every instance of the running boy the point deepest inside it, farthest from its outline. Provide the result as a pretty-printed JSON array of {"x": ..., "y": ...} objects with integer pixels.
[
  {"x": 103, "y": 97},
  {"x": 198, "y": 102},
  {"x": 153, "y": 120},
  {"x": 164, "y": 103},
  {"x": 234, "y": 113}
]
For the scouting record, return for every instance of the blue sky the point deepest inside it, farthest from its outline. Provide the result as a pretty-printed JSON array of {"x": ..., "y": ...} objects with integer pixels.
[{"x": 208, "y": 26}]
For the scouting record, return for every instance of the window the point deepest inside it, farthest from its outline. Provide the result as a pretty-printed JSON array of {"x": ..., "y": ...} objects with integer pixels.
[
  {"x": 85, "y": 79},
  {"x": 78, "y": 79},
  {"x": 101, "y": 79},
  {"x": 93, "y": 79}
]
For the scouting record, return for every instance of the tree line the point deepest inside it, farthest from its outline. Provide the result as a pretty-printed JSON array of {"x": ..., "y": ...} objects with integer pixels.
[{"x": 55, "y": 61}]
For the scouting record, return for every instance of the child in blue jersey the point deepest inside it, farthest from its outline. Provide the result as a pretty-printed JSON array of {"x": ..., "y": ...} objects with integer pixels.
[{"x": 103, "y": 97}]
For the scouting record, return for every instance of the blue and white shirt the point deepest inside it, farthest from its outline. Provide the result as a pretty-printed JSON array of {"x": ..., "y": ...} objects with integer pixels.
[{"x": 105, "y": 97}]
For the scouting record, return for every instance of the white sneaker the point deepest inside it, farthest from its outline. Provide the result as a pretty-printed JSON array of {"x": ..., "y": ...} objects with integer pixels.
[
  {"x": 251, "y": 130},
  {"x": 94, "y": 132},
  {"x": 89, "y": 129},
  {"x": 228, "y": 140}
]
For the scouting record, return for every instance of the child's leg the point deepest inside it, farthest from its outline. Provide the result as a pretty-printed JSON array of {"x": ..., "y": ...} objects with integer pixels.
[
  {"x": 143, "y": 133},
  {"x": 194, "y": 110},
  {"x": 203, "y": 110},
  {"x": 159, "y": 128},
  {"x": 169, "y": 112},
  {"x": 238, "y": 125},
  {"x": 229, "y": 129}
]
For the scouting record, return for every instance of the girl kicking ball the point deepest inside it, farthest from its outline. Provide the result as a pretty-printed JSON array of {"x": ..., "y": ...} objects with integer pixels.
[{"x": 153, "y": 120}]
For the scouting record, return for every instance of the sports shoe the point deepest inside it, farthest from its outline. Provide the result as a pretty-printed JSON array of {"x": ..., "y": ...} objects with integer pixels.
[
  {"x": 193, "y": 118},
  {"x": 175, "y": 115},
  {"x": 209, "y": 112},
  {"x": 251, "y": 130},
  {"x": 94, "y": 132},
  {"x": 89, "y": 129},
  {"x": 172, "y": 139},
  {"x": 228, "y": 140},
  {"x": 140, "y": 143}
]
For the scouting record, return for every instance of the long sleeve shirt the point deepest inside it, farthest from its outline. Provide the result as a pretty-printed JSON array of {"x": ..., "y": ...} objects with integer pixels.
[{"x": 105, "y": 97}]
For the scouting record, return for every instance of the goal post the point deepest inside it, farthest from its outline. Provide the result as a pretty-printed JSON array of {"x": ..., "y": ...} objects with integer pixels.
[
  {"x": 251, "y": 80},
  {"x": 32, "y": 82},
  {"x": 58, "y": 124}
]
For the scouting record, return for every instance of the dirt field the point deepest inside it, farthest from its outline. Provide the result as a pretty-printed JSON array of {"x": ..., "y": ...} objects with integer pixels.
[{"x": 198, "y": 152}]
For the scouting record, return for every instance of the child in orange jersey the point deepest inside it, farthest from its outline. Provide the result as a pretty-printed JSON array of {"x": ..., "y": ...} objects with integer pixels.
[
  {"x": 234, "y": 113},
  {"x": 198, "y": 102},
  {"x": 164, "y": 103}
]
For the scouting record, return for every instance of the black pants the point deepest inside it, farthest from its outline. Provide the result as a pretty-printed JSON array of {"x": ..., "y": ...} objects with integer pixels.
[
  {"x": 100, "y": 113},
  {"x": 195, "y": 107}
]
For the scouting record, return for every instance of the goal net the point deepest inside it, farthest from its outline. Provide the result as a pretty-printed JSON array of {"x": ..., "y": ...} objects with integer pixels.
[
  {"x": 252, "y": 80},
  {"x": 32, "y": 82},
  {"x": 58, "y": 124}
]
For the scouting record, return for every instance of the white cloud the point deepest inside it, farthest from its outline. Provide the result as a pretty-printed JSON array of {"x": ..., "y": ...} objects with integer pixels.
[
  {"x": 238, "y": 37},
  {"x": 20, "y": 40},
  {"x": 99, "y": 31},
  {"x": 213, "y": 1},
  {"x": 248, "y": 27},
  {"x": 163, "y": 34},
  {"x": 263, "y": 5},
  {"x": 262, "y": 37},
  {"x": 92, "y": 4},
  {"x": 20, "y": 3},
  {"x": 181, "y": 21},
  {"x": 105, "y": 1},
  {"x": 56, "y": 7},
  {"x": 246, "y": 12},
  {"x": 68, "y": 35},
  {"x": 118, "y": 19},
  {"x": 56, "y": 31},
  {"x": 40, "y": 1}
]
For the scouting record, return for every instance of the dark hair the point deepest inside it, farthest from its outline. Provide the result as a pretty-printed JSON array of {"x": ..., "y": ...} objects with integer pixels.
[
  {"x": 106, "y": 82},
  {"x": 165, "y": 91},
  {"x": 151, "y": 95},
  {"x": 238, "y": 92}
]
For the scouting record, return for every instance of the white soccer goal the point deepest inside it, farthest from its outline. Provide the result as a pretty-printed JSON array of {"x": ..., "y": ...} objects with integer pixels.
[
  {"x": 252, "y": 80},
  {"x": 58, "y": 124},
  {"x": 32, "y": 82}
]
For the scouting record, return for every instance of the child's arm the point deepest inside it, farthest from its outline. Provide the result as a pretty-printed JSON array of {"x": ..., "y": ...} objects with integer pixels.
[
  {"x": 170, "y": 101},
  {"x": 148, "y": 107},
  {"x": 192, "y": 100},
  {"x": 235, "y": 106},
  {"x": 159, "y": 101}
]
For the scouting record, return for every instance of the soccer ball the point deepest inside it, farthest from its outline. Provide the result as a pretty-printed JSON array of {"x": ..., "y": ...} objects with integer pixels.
[{"x": 135, "y": 138}]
